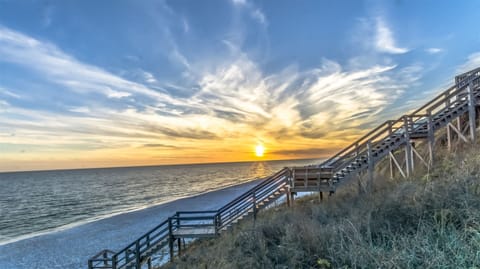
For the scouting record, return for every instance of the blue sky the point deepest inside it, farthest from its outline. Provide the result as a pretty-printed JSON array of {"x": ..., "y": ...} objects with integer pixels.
[{"x": 113, "y": 83}]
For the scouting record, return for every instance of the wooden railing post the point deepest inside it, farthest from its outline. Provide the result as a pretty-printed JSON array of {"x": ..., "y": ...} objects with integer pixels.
[
  {"x": 170, "y": 238},
  {"x": 114, "y": 261},
  {"x": 408, "y": 147},
  {"x": 288, "y": 195},
  {"x": 105, "y": 257},
  {"x": 390, "y": 161},
  {"x": 471, "y": 112},
  {"x": 431, "y": 137},
  {"x": 254, "y": 206},
  {"x": 138, "y": 264},
  {"x": 449, "y": 131},
  {"x": 371, "y": 164}
]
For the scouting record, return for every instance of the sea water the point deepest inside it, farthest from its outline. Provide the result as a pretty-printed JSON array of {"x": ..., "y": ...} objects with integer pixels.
[{"x": 41, "y": 201}]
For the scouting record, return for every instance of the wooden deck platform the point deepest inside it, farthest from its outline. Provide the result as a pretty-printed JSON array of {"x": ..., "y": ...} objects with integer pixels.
[{"x": 195, "y": 232}]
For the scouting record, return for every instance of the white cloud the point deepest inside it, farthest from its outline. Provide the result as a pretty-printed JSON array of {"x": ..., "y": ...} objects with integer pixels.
[
  {"x": 6, "y": 92},
  {"x": 434, "y": 50},
  {"x": 473, "y": 61},
  {"x": 384, "y": 40},
  {"x": 299, "y": 102},
  {"x": 178, "y": 57},
  {"x": 63, "y": 69},
  {"x": 116, "y": 94},
  {"x": 239, "y": 2},
  {"x": 186, "y": 25},
  {"x": 82, "y": 109},
  {"x": 259, "y": 16},
  {"x": 3, "y": 103},
  {"x": 149, "y": 77}
]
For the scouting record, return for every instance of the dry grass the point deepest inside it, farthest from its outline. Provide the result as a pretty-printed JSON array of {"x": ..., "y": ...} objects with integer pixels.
[{"x": 423, "y": 222}]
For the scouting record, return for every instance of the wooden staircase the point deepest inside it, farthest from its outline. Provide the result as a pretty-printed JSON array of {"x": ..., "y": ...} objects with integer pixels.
[
  {"x": 193, "y": 224},
  {"x": 457, "y": 102},
  {"x": 390, "y": 136}
]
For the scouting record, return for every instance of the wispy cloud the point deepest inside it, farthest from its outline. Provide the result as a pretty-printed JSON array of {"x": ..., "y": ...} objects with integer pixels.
[
  {"x": 159, "y": 146},
  {"x": 472, "y": 62},
  {"x": 186, "y": 25},
  {"x": 384, "y": 40},
  {"x": 63, "y": 69},
  {"x": 434, "y": 50},
  {"x": 239, "y": 2},
  {"x": 259, "y": 16},
  {"x": 8, "y": 93},
  {"x": 149, "y": 77}
]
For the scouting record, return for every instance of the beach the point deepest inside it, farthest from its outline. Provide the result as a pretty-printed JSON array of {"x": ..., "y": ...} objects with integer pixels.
[{"x": 71, "y": 248}]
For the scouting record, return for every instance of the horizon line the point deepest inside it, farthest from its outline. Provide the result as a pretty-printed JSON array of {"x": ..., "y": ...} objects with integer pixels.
[{"x": 153, "y": 165}]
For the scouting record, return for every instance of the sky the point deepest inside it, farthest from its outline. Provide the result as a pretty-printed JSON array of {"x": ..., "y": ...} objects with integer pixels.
[{"x": 126, "y": 83}]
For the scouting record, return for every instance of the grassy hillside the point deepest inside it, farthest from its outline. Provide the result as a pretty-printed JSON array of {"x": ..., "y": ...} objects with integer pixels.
[{"x": 427, "y": 221}]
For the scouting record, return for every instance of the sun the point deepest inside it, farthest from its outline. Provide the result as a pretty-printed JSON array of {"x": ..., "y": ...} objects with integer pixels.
[{"x": 259, "y": 150}]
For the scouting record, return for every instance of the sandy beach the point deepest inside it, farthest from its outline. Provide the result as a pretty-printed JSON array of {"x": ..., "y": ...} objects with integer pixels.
[{"x": 71, "y": 248}]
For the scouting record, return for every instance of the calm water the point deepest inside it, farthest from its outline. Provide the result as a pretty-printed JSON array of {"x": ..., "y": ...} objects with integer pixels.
[{"x": 33, "y": 202}]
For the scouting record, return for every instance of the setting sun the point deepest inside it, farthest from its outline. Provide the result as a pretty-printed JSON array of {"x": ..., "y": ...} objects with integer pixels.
[{"x": 259, "y": 150}]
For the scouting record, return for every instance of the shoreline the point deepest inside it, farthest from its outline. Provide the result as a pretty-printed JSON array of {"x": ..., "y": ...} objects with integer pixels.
[
  {"x": 71, "y": 245},
  {"x": 110, "y": 215}
]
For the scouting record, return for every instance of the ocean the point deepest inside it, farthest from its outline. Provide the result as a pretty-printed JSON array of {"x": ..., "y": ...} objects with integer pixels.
[{"x": 42, "y": 201}]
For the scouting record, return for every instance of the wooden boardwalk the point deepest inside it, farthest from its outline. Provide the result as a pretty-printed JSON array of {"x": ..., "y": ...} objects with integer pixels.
[{"x": 455, "y": 109}]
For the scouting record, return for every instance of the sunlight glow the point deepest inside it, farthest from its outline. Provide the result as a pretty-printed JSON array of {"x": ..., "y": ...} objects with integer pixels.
[{"x": 259, "y": 150}]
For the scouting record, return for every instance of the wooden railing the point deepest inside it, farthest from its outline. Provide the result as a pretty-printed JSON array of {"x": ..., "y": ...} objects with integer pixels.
[
  {"x": 411, "y": 122},
  {"x": 198, "y": 223}
]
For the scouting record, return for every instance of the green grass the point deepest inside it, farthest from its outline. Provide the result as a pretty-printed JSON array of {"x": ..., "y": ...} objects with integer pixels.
[{"x": 427, "y": 221}]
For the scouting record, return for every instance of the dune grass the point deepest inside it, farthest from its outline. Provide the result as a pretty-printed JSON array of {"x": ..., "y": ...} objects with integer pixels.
[{"x": 426, "y": 221}]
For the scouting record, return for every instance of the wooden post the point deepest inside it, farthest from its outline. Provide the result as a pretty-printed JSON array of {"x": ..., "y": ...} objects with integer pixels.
[
  {"x": 408, "y": 147},
  {"x": 412, "y": 147},
  {"x": 431, "y": 137},
  {"x": 138, "y": 263},
  {"x": 105, "y": 256},
  {"x": 149, "y": 263},
  {"x": 254, "y": 207},
  {"x": 391, "y": 166},
  {"x": 449, "y": 133},
  {"x": 471, "y": 112},
  {"x": 170, "y": 238},
  {"x": 179, "y": 245},
  {"x": 288, "y": 196},
  {"x": 449, "y": 138},
  {"x": 114, "y": 261},
  {"x": 321, "y": 196},
  {"x": 370, "y": 166},
  {"x": 292, "y": 178}
]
